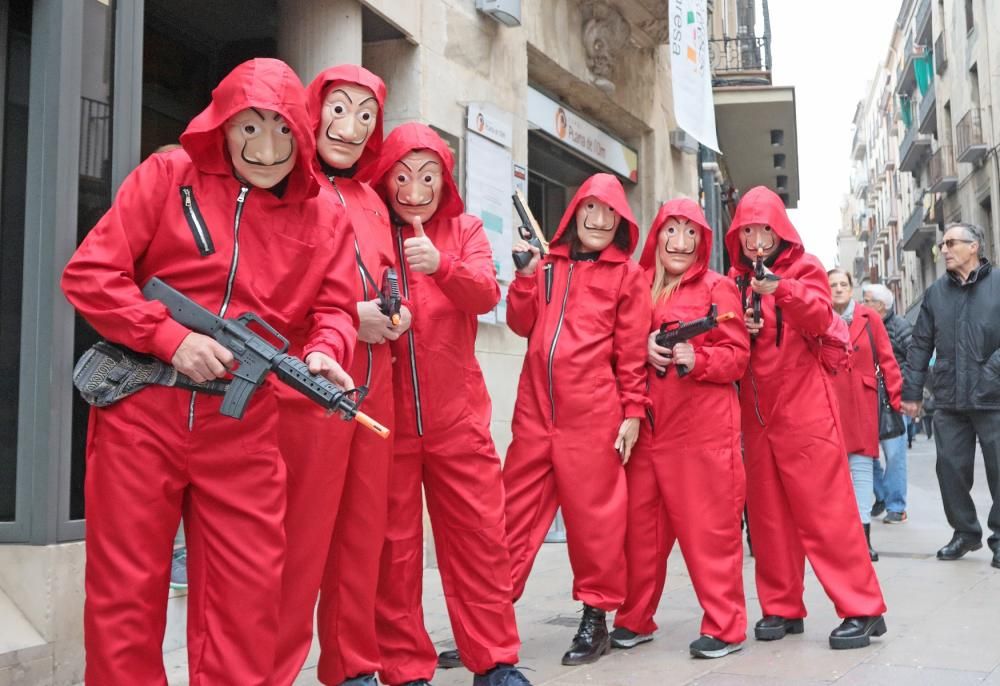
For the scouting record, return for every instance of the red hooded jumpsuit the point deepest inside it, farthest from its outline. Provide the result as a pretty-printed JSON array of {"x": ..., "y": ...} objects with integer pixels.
[
  {"x": 799, "y": 494},
  {"x": 184, "y": 217},
  {"x": 443, "y": 442},
  {"x": 584, "y": 372},
  {"x": 685, "y": 478},
  {"x": 338, "y": 473}
]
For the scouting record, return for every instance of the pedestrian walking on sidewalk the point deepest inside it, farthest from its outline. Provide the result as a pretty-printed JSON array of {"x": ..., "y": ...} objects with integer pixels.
[
  {"x": 890, "y": 483},
  {"x": 960, "y": 320},
  {"x": 857, "y": 390}
]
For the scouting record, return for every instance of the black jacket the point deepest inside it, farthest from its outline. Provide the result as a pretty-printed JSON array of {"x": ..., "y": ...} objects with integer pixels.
[
  {"x": 900, "y": 335},
  {"x": 962, "y": 321}
]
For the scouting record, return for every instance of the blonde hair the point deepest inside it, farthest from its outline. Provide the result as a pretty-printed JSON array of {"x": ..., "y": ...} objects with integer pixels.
[{"x": 662, "y": 289}]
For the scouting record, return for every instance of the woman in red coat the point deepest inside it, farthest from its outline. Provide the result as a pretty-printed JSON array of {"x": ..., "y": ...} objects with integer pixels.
[
  {"x": 685, "y": 478},
  {"x": 585, "y": 311},
  {"x": 857, "y": 393}
]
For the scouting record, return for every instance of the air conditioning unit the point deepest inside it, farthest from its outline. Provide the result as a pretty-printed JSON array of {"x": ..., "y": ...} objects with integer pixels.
[{"x": 507, "y": 12}]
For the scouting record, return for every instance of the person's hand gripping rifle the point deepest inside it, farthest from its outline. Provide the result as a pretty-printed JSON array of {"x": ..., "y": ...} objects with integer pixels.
[{"x": 674, "y": 333}]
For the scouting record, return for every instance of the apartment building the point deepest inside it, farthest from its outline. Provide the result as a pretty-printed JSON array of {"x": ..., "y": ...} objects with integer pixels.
[{"x": 924, "y": 151}]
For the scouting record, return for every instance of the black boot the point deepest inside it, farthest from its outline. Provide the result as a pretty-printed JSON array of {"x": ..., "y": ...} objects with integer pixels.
[
  {"x": 449, "y": 659},
  {"x": 868, "y": 537},
  {"x": 773, "y": 627},
  {"x": 855, "y": 632},
  {"x": 591, "y": 640}
]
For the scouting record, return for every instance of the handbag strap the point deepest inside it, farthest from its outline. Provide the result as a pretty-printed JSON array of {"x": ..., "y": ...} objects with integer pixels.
[{"x": 871, "y": 340}]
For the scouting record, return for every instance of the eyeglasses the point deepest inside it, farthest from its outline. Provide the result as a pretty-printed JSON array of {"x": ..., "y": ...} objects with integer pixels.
[{"x": 951, "y": 242}]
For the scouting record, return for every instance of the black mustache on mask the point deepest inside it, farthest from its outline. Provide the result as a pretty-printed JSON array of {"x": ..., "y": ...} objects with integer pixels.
[
  {"x": 338, "y": 139},
  {"x": 407, "y": 204},
  {"x": 596, "y": 228},
  {"x": 243, "y": 155},
  {"x": 763, "y": 247},
  {"x": 670, "y": 251}
]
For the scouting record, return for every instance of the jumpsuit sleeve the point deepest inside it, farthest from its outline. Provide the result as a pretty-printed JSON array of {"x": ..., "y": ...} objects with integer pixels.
[
  {"x": 629, "y": 347},
  {"x": 469, "y": 280},
  {"x": 522, "y": 303},
  {"x": 723, "y": 357},
  {"x": 334, "y": 314},
  {"x": 100, "y": 278},
  {"x": 919, "y": 354},
  {"x": 887, "y": 361},
  {"x": 805, "y": 299}
]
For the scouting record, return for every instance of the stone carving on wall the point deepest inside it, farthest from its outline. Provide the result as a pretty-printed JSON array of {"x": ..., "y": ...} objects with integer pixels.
[{"x": 605, "y": 34}]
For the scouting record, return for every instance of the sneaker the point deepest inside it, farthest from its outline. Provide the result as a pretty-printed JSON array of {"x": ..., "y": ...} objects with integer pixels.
[
  {"x": 709, "y": 647},
  {"x": 501, "y": 675},
  {"x": 878, "y": 508},
  {"x": 364, "y": 680},
  {"x": 894, "y": 517},
  {"x": 179, "y": 570},
  {"x": 624, "y": 638}
]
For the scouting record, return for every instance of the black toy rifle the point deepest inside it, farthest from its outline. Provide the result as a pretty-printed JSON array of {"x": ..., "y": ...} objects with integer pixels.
[
  {"x": 258, "y": 357},
  {"x": 672, "y": 333}
]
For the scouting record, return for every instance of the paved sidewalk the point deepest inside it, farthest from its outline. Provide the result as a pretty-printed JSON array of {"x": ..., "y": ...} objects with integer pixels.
[{"x": 943, "y": 618}]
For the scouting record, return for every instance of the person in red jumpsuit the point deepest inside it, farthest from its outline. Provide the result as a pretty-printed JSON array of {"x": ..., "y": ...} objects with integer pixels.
[
  {"x": 585, "y": 310},
  {"x": 799, "y": 493},
  {"x": 856, "y": 389},
  {"x": 685, "y": 478},
  {"x": 443, "y": 440},
  {"x": 233, "y": 221},
  {"x": 338, "y": 476}
]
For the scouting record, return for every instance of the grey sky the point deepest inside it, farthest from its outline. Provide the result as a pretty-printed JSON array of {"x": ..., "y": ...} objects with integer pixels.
[{"x": 829, "y": 51}]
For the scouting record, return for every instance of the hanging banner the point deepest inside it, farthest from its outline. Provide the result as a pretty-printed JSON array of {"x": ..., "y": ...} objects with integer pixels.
[{"x": 691, "y": 71}]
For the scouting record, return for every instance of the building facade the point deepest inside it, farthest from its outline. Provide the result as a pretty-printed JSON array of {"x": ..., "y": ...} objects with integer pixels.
[
  {"x": 569, "y": 88},
  {"x": 925, "y": 146}
]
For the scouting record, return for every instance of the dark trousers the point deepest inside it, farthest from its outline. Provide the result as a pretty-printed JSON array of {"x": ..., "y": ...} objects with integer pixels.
[{"x": 955, "y": 438}]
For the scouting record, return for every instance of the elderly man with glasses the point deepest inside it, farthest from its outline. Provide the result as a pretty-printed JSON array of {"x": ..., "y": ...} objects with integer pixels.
[
  {"x": 890, "y": 483},
  {"x": 960, "y": 319}
]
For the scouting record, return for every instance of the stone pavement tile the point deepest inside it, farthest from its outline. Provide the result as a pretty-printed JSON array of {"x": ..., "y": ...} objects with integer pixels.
[
  {"x": 957, "y": 638},
  {"x": 797, "y": 657},
  {"x": 726, "y": 679},
  {"x": 872, "y": 673}
]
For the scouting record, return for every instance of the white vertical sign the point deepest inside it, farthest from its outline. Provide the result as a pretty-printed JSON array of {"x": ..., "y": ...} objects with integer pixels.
[{"x": 691, "y": 71}]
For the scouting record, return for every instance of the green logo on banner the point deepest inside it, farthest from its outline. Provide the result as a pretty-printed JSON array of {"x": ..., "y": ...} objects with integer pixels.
[{"x": 690, "y": 17}]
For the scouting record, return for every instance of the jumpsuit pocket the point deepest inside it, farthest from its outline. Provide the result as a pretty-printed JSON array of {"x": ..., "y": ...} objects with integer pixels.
[{"x": 284, "y": 273}]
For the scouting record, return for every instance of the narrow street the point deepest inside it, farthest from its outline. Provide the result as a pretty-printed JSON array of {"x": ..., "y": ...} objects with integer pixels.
[{"x": 942, "y": 618}]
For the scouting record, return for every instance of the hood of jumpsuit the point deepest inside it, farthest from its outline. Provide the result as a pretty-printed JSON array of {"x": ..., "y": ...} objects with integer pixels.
[
  {"x": 761, "y": 205},
  {"x": 681, "y": 208},
  {"x": 402, "y": 141},
  {"x": 262, "y": 83},
  {"x": 608, "y": 189},
  {"x": 358, "y": 76}
]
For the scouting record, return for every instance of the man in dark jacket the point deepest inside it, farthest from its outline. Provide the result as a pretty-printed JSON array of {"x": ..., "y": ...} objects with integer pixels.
[
  {"x": 890, "y": 483},
  {"x": 960, "y": 318}
]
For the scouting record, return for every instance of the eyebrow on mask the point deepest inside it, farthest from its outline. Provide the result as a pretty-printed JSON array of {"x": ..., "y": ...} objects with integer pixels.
[
  {"x": 257, "y": 112},
  {"x": 344, "y": 93},
  {"x": 429, "y": 162}
]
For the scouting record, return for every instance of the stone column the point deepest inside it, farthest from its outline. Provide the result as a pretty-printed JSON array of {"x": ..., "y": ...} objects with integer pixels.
[{"x": 316, "y": 34}]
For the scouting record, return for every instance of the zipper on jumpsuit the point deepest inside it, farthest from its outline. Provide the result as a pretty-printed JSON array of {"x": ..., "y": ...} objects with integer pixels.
[
  {"x": 244, "y": 190},
  {"x": 361, "y": 275},
  {"x": 555, "y": 339},
  {"x": 409, "y": 335}
]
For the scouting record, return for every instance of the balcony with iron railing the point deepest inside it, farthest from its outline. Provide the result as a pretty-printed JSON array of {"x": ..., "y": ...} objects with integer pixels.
[
  {"x": 859, "y": 183},
  {"x": 913, "y": 151},
  {"x": 927, "y": 111},
  {"x": 971, "y": 146},
  {"x": 740, "y": 60},
  {"x": 940, "y": 54},
  {"x": 941, "y": 174},
  {"x": 922, "y": 22},
  {"x": 917, "y": 232},
  {"x": 858, "y": 148}
]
